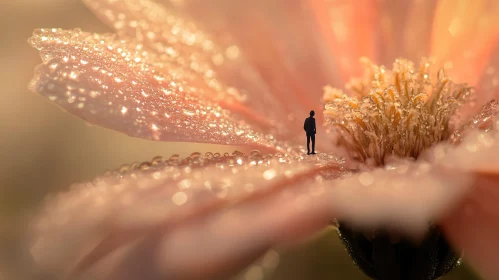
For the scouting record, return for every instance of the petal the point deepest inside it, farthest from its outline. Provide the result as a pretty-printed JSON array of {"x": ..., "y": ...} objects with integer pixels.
[
  {"x": 477, "y": 152},
  {"x": 473, "y": 225},
  {"x": 464, "y": 33},
  {"x": 280, "y": 40},
  {"x": 488, "y": 87},
  {"x": 119, "y": 84},
  {"x": 348, "y": 27},
  {"x": 408, "y": 23},
  {"x": 187, "y": 202},
  {"x": 484, "y": 120},
  {"x": 223, "y": 68},
  {"x": 405, "y": 196},
  {"x": 379, "y": 30}
]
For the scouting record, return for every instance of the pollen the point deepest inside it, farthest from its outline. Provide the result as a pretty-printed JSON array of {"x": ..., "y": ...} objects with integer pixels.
[{"x": 399, "y": 112}]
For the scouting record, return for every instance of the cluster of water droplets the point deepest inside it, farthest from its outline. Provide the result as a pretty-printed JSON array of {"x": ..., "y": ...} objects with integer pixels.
[
  {"x": 125, "y": 86},
  {"x": 484, "y": 120},
  {"x": 399, "y": 112},
  {"x": 223, "y": 161},
  {"x": 477, "y": 147},
  {"x": 151, "y": 191},
  {"x": 177, "y": 42}
]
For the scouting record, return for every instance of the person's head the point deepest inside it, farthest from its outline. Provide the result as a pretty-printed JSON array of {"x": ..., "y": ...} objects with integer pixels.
[{"x": 312, "y": 113}]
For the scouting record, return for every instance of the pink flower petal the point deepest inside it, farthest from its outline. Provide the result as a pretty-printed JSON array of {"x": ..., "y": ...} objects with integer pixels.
[
  {"x": 122, "y": 85},
  {"x": 488, "y": 87},
  {"x": 215, "y": 216},
  {"x": 280, "y": 40},
  {"x": 404, "y": 29},
  {"x": 405, "y": 196},
  {"x": 224, "y": 69},
  {"x": 242, "y": 230},
  {"x": 474, "y": 226},
  {"x": 484, "y": 120},
  {"x": 349, "y": 29},
  {"x": 464, "y": 34},
  {"x": 95, "y": 219},
  {"x": 477, "y": 151},
  {"x": 380, "y": 30}
]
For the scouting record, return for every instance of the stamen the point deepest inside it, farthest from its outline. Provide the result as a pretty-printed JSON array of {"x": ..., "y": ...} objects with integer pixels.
[{"x": 399, "y": 112}]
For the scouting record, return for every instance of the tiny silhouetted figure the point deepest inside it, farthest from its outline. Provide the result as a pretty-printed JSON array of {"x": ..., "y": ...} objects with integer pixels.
[{"x": 309, "y": 127}]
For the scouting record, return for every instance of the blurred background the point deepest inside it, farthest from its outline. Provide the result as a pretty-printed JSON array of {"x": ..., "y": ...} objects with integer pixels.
[{"x": 44, "y": 150}]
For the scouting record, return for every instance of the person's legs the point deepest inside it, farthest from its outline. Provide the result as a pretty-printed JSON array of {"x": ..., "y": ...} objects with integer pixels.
[
  {"x": 308, "y": 144},
  {"x": 313, "y": 143}
]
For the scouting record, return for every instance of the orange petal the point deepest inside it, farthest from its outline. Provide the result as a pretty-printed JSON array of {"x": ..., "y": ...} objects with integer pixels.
[
  {"x": 350, "y": 29},
  {"x": 416, "y": 40},
  {"x": 121, "y": 85},
  {"x": 280, "y": 40},
  {"x": 231, "y": 80},
  {"x": 488, "y": 87},
  {"x": 464, "y": 33}
]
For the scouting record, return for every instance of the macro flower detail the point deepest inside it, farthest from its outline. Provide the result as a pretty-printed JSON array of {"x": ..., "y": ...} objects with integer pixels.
[
  {"x": 399, "y": 112},
  {"x": 408, "y": 154}
]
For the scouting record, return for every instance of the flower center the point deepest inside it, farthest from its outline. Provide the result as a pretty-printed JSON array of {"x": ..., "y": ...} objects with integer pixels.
[{"x": 398, "y": 112}]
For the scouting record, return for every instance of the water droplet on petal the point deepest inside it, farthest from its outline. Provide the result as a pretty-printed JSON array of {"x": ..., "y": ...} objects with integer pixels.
[
  {"x": 174, "y": 160},
  {"x": 195, "y": 155},
  {"x": 208, "y": 155},
  {"x": 255, "y": 153},
  {"x": 157, "y": 160},
  {"x": 366, "y": 179},
  {"x": 269, "y": 174},
  {"x": 124, "y": 168},
  {"x": 145, "y": 165},
  {"x": 179, "y": 198}
]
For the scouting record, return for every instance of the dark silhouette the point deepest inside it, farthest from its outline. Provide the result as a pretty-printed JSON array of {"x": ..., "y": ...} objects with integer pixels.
[{"x": 309, "y": 127}]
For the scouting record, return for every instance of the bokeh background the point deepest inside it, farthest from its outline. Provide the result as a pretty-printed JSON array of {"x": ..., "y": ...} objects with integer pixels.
[{"x": 44, "y": 150}]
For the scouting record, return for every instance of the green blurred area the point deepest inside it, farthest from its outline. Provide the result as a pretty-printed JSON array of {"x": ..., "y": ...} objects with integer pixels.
[{"x": 43, "y": 149}]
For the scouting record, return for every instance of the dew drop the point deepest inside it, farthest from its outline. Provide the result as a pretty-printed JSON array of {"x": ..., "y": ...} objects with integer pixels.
[
  {"x": 174, "y": 159},
  {"x": 179, "y": 198},
  {"x": 195, "y": 155},
  {"x": 145, "y": 165},
  {"x": 255, "y": 153},
  {"x": 237, "y": 153},
  {"x": 269, "y": 174},
  {"x": 124, "y": 168},
  {"x": 134, "y": 165},
  {"x": 185, "y": 184},
  {"x": 157, "y": 160},
  {"x": 366, "y": 179},
  {"x": 73, "y": 75},
  {"x": 208, "y": 155},
  {"x": 188, "y": 112}
]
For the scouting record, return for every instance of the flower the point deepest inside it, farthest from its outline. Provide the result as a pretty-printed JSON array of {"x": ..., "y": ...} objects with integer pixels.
[{"x": 413, "y": 155}]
